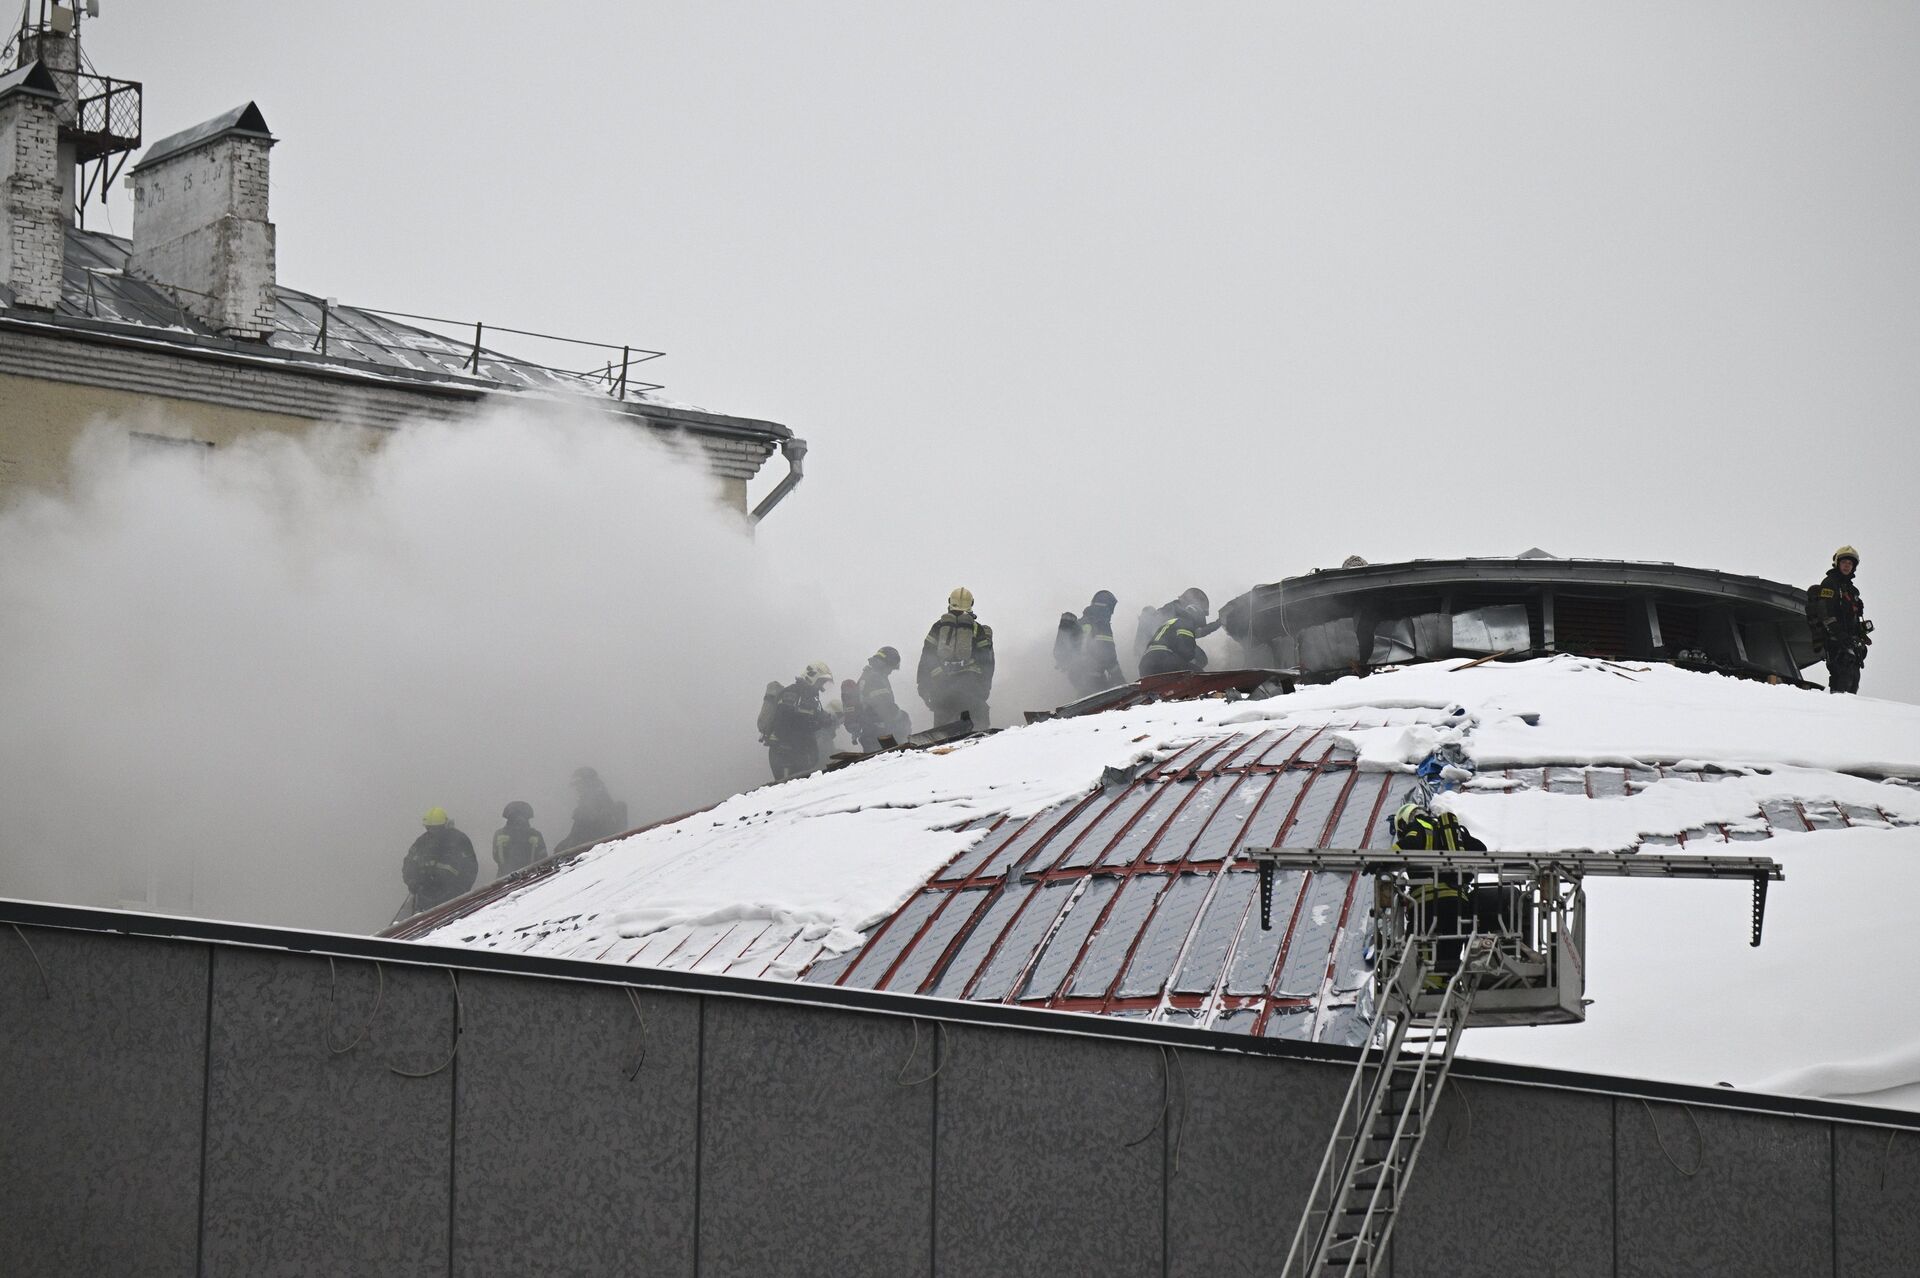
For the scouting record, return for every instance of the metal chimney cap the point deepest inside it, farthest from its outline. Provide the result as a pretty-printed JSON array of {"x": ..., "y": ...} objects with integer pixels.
[
  {"x": 244, "y": 120},
  {"x": 32, "y": 79}
]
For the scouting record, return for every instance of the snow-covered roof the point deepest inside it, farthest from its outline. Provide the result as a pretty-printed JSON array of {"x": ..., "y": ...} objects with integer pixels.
[{"x": 1093, "y": 863}]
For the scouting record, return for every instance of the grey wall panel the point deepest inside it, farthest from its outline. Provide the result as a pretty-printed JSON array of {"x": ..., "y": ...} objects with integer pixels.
[
  {"x": 1876, "y": 1206},
  {"x": 1511, "y": 1181},
  {"x": 100, "y": 1101},
  {"x": 321, "y": 1162},
  {"x": 1037, "y": 1175},
  {"x": 1249, "y": 1134},
  {"x": 561, "y": 1164},
  {"x": 816, "y": 1152},
  {"x": 1758, "y": 1204}
]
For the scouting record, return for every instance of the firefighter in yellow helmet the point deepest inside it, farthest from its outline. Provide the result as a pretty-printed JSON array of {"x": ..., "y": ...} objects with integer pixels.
[
  {"x": 1444, "y": 898},
  {"x": 440, "y": 865},
  {"x": 955, "y": 676},
  {"x": 1841, "y": 631}
]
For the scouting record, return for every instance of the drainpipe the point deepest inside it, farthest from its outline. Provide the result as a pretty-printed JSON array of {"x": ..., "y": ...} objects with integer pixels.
[{"x": 795, "y": 451}]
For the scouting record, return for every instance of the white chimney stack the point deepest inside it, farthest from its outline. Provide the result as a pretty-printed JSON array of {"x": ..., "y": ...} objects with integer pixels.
[
  {"x": 33, "y": 216},
  {"x": 200, "y": 223}
]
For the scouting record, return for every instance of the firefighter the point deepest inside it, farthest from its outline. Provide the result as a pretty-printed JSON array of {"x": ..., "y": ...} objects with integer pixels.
[
  {"x": 440, "y": 865},
  {"x": 1444, "y": 898},
  {"x": 516, "y": 845},
  {"x": 879, "y": 713},
  {"x": 1841, "y": 631},
  {"x": 1084, "y": 647},
  {"x": 956, "y": 663},
  {"x": 1151, "y": 619},
  {"x": 597, "y": 815},
  {"x": 793, "y": 721},
  {"x": 1175, "y": 644}
]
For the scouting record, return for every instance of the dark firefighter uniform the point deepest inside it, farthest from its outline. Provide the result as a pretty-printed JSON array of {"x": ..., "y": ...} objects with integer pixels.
[
  {"x": 516, "y": 845},
  {"x": 597, "y": 815},
  {"x": 1085, "y": 650},
  {"x": 955, "y": 676},
  {"x": 1176, "y": 644},
  {"x": 1446, "y": 899},
  {"x": 440, "y": 865},
  {"x": 1841, "y": 631},
  {"x": 794, "y": 721},
  {"x": 879, "y": 713}
]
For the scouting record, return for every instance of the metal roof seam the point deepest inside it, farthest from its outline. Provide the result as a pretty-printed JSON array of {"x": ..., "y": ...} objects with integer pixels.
[
  {"x": 1144, "y": 856},
  {"x": 1280, "y": 954},
  {"x": 1060, "y": 914},
  {"x": 1325, "y": 1000},
  {"x": 1193, "y": 929},
  {"x": 912, "y": 941},
  {"x": 1218, "y": 998}
]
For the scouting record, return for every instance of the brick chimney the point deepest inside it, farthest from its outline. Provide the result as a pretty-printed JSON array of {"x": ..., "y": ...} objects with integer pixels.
[
  {"x": 58, "y": 52},
  {"x": 200, "y": 224},
  {"x": 33, "y": 217}
]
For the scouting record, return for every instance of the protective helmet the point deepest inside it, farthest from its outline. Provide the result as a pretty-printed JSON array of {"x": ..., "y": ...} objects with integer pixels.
[
  {"x": 518, "y": 808},
  {"x": 817, "y": 672},
  {"x": 1846, "y": 552},
  {"x": 961, "y": 600},
  {"x": 1196, "y": 598},
  {"x": 585, "y": 776},
  {"x": 1353, "y": 561},
  {"x": 434, "y": 817},
  {"x": 889, "y": 657},
  {"x": 1105, "y": 598}
]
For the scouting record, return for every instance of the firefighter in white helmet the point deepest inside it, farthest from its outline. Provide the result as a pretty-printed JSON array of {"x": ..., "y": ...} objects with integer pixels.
[
  {"x": 1841, "y": 631},
  {"x": 792, "y": 722}
]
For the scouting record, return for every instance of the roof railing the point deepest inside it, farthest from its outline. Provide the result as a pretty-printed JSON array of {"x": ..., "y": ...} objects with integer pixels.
[{"x": 614, "y": 378}]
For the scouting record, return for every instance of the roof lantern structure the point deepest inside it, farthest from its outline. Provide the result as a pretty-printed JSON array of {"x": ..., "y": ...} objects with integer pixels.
[{"x": 1346, "y": 620}]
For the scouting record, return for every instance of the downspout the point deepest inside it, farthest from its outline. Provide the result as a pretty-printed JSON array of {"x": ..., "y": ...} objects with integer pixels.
[{"x": 795, "y": 451}]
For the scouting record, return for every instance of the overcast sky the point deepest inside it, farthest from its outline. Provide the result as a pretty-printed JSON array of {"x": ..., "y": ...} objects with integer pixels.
[{"x": 1128, "y": 295}]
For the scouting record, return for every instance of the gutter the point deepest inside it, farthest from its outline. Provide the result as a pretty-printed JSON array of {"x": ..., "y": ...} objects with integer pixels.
[{"x": 794, "y": 449}]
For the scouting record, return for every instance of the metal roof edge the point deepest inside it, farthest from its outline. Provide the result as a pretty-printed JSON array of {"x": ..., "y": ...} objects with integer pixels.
[
  {"x": 988, "y": 1015},
  {"x": 701, "y": 419},
  {"x": 228, "y": 350},
  {"x": 1614, "y": 572},
  {"x": 233, "y": 351}
]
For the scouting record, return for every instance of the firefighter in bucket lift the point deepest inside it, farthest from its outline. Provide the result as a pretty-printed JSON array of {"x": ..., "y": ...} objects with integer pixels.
[{"x": 1445, "y": 901}]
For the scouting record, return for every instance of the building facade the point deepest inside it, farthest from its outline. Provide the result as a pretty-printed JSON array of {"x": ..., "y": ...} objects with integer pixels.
[{"x": 181, "y": 334}]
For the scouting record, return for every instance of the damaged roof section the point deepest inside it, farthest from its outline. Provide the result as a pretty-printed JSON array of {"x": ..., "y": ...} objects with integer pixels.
[
  {"x": 1135, "y": 901},
  {"x": 1348, "y": 620}
]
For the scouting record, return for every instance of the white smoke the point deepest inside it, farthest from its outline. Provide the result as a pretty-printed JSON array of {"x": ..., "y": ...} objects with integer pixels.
[
  {"x": 233, "y": 679},
  {"x": 244, "y": 675}
]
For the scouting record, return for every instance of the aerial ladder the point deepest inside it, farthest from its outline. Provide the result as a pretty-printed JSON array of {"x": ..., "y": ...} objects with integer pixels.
[{"x": 1462, "y": 938}]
